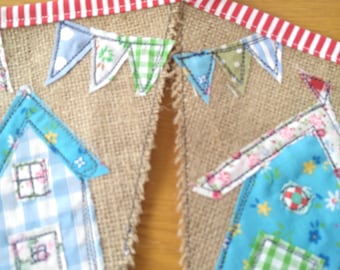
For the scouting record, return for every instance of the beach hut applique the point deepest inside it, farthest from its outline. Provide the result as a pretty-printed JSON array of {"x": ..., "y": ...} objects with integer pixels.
[
  {"x": 47, "y": 218},
  {"x": 288, "y": 210}
]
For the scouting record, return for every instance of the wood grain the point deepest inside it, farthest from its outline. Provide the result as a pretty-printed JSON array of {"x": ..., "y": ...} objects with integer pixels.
[{"x": 158, "y": 246}]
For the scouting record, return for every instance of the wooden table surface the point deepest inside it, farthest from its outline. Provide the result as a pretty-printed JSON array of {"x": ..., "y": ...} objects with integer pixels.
[{"x": 158, "y": 246}]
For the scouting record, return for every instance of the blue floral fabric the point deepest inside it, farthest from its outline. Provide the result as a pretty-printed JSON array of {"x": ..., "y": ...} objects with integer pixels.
[
  {"x": 302, "y": 176},
  {"x": 28, "y": 109},
  {"x": 200, "y": 70}
]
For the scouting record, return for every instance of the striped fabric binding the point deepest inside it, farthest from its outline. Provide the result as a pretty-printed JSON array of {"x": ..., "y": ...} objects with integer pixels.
[
  {"x": 54, "y": 11},
  {"x": 277, "y": 29}
]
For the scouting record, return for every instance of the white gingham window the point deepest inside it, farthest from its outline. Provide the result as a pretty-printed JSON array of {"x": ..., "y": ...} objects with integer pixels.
[{"x": 31, "y": 179}]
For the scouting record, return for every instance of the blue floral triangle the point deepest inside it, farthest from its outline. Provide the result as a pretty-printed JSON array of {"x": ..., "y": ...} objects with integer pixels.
[
  {"x": 73, "y": 42},
  {"x": 200, "y": 70},
  {"x": 268, "y": 53}
]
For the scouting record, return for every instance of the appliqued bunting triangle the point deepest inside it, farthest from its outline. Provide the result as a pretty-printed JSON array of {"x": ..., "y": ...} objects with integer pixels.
[
  {"x": 268, "y": 54},
  {"x": 319, "y": 87},
  {"x": 107, "y": 58},
  {"x": 5, "y": 83},
  {"x": 235, "y": 61},
  {"x": 73, "y": 42},
  {"x": 147, "y": 56},
  {"x": 199, "y": 68}
]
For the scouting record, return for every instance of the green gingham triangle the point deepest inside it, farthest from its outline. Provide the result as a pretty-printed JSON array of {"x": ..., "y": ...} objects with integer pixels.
[{"x": 147, "y": 57}]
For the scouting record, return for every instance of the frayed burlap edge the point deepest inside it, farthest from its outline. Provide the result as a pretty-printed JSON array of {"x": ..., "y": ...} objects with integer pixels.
[
  {"x": 142, "y": 177},
  {"x": 178, "y": 96},
  {"x": 132, "y": 237},
  {"x": 165, "y": 79}
]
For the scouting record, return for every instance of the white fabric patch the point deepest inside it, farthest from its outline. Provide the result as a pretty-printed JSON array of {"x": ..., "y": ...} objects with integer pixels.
[
  {"x": 39, "y": 249},
  {"x": 108, "y": 56},
  {"x": 31, "y": 179},
  {"x": 60, "y": 62},
  {"x": 66, "y": 33}
]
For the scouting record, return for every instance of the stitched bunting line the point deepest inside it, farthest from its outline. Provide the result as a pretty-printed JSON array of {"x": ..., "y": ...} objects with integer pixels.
[
  {"x": 146, "y": 55},
  {"x": 292, "y": 36},
  {"x": 319, "y": 120},
  {"x": 5, "y": 83},
  {"x": 273, "y": 27},
  {"x": 235, "y": 60}
]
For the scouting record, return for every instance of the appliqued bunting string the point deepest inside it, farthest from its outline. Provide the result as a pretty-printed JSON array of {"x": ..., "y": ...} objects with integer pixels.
[
  {"x": 235, "y": 60},
  {"x": 320, "y": 88},
  {"x": 146, "y": 55}
]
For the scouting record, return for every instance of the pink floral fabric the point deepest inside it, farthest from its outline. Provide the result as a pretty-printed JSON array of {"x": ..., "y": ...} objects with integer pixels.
[
  {"x": 319, "y": 120},
  {"x": 5, "y": 83}
]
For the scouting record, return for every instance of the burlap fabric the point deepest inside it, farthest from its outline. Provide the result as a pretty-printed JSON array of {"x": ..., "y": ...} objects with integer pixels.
[
  {"x": 115, "y": 124},
  {"x": 208, "y": 134}
]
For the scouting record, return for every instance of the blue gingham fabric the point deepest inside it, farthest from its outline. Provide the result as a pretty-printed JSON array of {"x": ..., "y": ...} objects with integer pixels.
[
  {"x": 199, "y": 68},
  {"x": 65, "y": 211},
  {"x": 267, "y": 52}
]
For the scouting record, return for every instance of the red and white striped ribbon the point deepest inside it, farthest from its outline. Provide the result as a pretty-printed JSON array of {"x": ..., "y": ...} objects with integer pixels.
[
  {"x": 54, "y": 11},
  {"x": 277, "y": 29}
]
